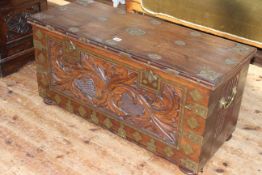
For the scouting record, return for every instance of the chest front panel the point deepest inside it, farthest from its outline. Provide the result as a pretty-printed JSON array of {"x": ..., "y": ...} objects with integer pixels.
[{"x": 138, "y": 97}]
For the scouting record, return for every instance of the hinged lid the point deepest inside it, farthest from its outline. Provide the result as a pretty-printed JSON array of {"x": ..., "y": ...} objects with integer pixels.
[{"x": 199, "y": 56}]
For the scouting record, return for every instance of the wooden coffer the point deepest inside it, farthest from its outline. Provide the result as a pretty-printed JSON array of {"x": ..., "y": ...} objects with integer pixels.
[
  {"x": 170, "y": 89},
  {"x": 16, "y": 42}
]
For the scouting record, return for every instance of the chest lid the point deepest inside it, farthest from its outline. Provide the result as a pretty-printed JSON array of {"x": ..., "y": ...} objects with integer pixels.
[{"x": 199, "y": 56}]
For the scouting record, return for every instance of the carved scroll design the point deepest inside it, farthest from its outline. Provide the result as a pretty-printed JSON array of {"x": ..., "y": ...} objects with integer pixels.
[
  {"x": 17, "y": 22},
  {"x": 113, "y": 87}
]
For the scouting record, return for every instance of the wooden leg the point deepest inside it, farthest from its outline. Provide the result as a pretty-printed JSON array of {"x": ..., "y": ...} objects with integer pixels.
[
  {"x": 229, "y": 137},
  {"x": 48, "y": 101},
  {"x": 186, "y": 171}
]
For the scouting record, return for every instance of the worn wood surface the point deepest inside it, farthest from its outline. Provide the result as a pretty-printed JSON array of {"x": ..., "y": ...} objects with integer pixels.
[
  {"x": 39, "y": 139},
  {"x": 165, "y": 45}
]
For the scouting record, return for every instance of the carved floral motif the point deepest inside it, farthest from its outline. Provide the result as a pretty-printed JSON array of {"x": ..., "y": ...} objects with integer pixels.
[{"x": 114, "y": 88}]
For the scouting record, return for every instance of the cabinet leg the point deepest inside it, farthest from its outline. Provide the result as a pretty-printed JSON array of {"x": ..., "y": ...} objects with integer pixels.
[
  {"x": 229, "y": 137},
  {"x": 186, "y": 171},
  {"x": 48, "y": 101}
]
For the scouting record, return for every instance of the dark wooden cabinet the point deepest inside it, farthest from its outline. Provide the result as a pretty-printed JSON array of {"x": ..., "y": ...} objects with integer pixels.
[{"x": 16, "y": 44}]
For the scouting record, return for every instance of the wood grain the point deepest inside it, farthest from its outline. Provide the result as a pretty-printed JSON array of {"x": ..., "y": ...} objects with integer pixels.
[
  {"x": 192, "y": 54},
  {"x": 39, "y": 139}
]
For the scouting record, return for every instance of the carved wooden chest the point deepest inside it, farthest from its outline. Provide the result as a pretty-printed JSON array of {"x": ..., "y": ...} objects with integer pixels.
[
  {"x": 170, "y": 89},
  {"x": 16, "y": 44}
]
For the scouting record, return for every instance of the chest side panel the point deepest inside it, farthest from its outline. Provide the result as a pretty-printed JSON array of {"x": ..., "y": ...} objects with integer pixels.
[{"x": 224, "y": 107}]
